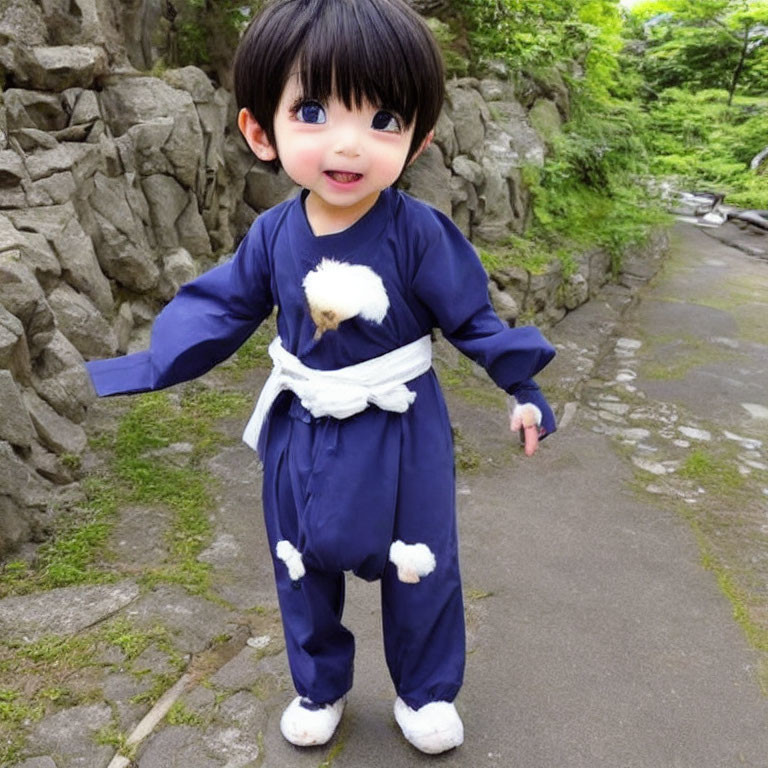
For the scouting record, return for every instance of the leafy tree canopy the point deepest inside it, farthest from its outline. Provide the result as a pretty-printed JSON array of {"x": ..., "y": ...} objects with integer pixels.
[{"x": 704, "y": 43}]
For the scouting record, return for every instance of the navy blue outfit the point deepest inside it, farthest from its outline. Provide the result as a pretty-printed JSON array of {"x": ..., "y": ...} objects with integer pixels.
[{"x": 341, "y": 491}]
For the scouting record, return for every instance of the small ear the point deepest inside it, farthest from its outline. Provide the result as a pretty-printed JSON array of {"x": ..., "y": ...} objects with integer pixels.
[
  {"x": 424, "y": 144},
  {"x": 255, "y": 136}
]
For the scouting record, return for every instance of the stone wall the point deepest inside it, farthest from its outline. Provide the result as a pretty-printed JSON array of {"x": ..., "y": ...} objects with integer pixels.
[{"x": 117, "y": 187}]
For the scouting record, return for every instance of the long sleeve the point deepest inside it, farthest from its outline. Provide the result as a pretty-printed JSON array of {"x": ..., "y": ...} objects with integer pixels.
[
  {"x": 207, "y": 320},
  {"x": 451, "y": 282}
]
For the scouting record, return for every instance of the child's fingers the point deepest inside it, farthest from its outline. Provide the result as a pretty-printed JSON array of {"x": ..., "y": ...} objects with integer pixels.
[
  {"x": 530, "y": 439},
  {"x": 525, "y": 420}
]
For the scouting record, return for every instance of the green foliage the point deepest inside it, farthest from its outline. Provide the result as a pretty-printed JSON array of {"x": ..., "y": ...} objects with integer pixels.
[
  {"x": 708, "y": 145},
  {"x": 207, "y": 31},
  {"x": 703, "y": 44},
  {"x": 517, "y": 252},
  {"x": 455, "y": 60},
  {"x": 696, "y": 58},
  {"x": 534, "y": 33},
  {"x": 589, "y": 193}
]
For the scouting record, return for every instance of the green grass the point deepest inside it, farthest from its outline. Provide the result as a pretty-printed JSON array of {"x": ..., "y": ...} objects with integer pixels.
[
  {"x": 14, "y": 710},
  {"x": 71, "y": 556},
  {"x": 461, "y": 381},
  {"x": 466, "y": 456},
  {"x": 132, "y": 641},
  {"x": 136, "y": 474},
  {"x": 472, "y": 594},
  {"x": 178, "y": 714},
  {"x": 111, "y": 736},
  {"x": 756, "y": 635},
  {"x": 39, "y": 675},
  {"x": 517, "y": 251},
  {"x": 714, "y": 474},
  {"x": 161, "y": 682}
]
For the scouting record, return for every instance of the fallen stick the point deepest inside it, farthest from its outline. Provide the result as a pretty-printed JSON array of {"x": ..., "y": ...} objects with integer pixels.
[{"x": 150, "y": 721}]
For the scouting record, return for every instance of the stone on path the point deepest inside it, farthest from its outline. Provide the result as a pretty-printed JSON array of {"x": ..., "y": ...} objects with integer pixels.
[
  {"x": 177, "y": 746},
  {"x": 70, "y": 736},
  {"x": 38, "y": 762},
  {"x": 62, "y": 611},
  {"x": 620, "y": 409},
  {"x": 232, "y": 741},
  {"x": 695, "y": 434},
  {"x": 756, "y": 411},
  {"x": 237, "y": 743},
  {"x": 633, "y": 433},
  {"x": 626, "y": 343},
  {"x": 748, "y": 443},
  {"x": 569, "y": 411},
  {"x": 240, "y": 672},
  {"x": 654, "y": 467},
  {"x": 194, "y": 620}
]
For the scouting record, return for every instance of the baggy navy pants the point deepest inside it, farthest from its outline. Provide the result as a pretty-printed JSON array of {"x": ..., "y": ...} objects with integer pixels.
[{"x": 341, "y": 492}]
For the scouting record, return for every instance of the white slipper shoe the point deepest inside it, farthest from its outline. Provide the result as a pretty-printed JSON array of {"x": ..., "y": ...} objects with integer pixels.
[
  {"x": 436, "y": 727},
  {"x": 307, "y": 724}
]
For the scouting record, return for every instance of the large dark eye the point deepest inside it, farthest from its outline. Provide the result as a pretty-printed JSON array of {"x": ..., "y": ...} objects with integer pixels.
[
  {"x": 385, "y": 121},
  {"x": 310, "y": 112}
]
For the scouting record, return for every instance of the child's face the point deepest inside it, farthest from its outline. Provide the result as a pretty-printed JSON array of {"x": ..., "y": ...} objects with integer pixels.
[{"x": 343, "y": 157}]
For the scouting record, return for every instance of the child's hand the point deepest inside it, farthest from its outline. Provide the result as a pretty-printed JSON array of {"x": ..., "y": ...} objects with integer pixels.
[{"x": 526, "y": 419}]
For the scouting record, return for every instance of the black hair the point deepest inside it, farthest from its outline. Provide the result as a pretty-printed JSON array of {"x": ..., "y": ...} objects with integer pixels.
[{"x": 375, "y": 51}]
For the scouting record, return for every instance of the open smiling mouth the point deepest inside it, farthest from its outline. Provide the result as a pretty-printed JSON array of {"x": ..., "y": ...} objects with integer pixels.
[{"x": 343, "y": 177}]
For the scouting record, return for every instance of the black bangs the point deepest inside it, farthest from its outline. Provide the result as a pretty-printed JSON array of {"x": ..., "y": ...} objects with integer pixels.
[
  {"x": 376, "y": 51},
  {"x": 356, "y": 53}
]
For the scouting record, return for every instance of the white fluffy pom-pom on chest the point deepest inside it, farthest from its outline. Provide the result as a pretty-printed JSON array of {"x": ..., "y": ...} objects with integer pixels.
[{"x": 337, "y": 291}]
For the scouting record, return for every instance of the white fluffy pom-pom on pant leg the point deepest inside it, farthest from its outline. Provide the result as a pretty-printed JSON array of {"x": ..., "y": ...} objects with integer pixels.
[
  {"x": 413, "y": 561},
  {"x": 292, "y": 559}
]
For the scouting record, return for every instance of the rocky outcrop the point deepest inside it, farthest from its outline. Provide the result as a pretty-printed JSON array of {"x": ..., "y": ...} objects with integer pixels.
[{"x": 117, "y": 187}]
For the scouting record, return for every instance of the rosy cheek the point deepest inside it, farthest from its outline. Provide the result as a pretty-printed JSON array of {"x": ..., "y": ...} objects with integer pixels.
[
  {"x": 300, "y": 158},
  {"x": 308, "y": 154},
  {"x": 392, "y": 164}
]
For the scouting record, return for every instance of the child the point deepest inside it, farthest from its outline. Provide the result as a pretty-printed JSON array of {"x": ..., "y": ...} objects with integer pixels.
[{"x": 351, "y": 426}]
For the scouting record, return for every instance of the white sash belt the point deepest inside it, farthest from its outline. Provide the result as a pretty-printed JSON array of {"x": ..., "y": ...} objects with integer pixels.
[{"x": 343, "y": 392}]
